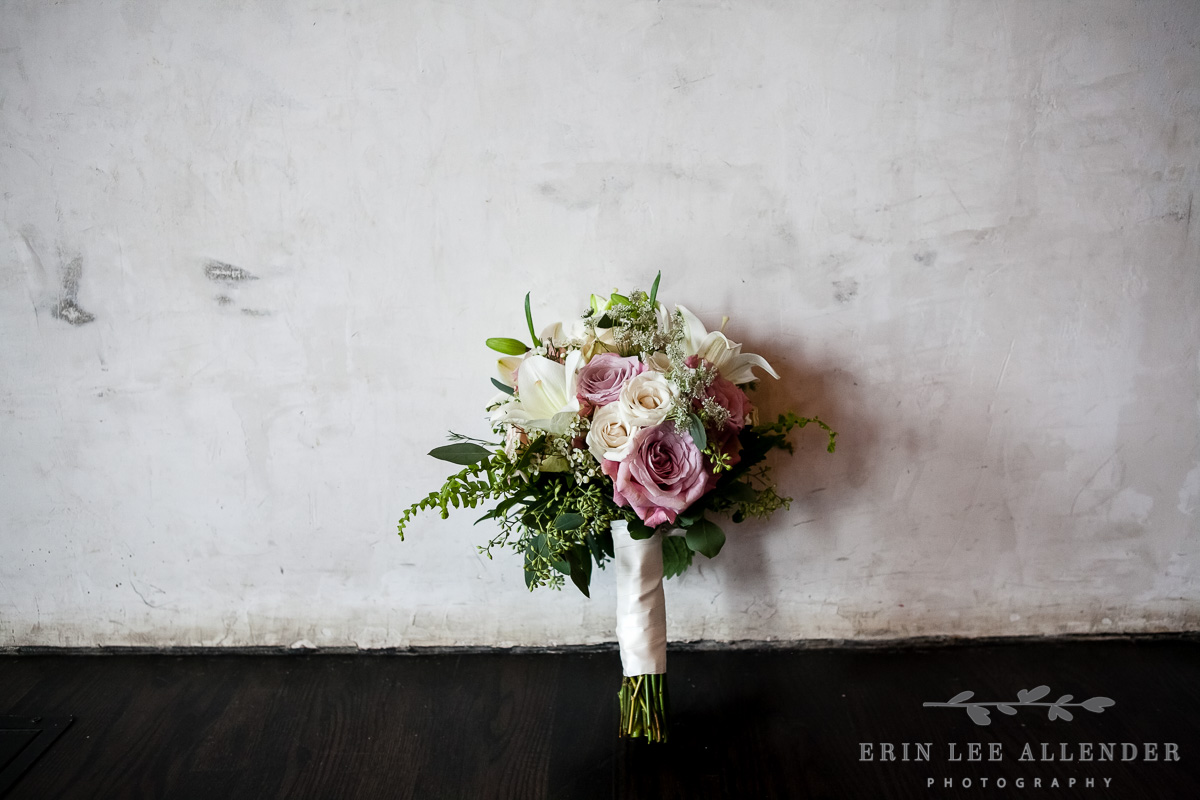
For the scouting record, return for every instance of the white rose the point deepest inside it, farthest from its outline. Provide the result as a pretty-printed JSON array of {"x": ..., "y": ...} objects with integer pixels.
[
  {"x": 646, "y": 399},
  {"x": 659, "y": 362},
  {"x": 609, "y": 436}
]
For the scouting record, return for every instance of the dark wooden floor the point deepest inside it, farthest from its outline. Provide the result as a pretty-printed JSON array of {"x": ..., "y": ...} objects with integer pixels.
[{"x": 776, "y": 723}]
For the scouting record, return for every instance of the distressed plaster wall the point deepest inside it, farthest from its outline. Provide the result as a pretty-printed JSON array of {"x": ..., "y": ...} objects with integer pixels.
[{"x": 251, "y": 250}]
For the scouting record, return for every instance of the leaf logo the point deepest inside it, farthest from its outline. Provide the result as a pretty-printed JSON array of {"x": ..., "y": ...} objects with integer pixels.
[{"x": 980, "y": 715}]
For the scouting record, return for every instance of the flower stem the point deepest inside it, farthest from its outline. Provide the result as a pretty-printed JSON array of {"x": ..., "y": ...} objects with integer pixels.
[{"x": 644, "y": 702}]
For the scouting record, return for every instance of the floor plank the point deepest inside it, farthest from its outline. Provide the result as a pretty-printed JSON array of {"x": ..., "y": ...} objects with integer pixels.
[{"x": 745, "y": 723}]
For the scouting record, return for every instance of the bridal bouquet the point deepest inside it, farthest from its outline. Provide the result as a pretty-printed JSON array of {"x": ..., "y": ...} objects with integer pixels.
[{"x": 620, "y": 436}]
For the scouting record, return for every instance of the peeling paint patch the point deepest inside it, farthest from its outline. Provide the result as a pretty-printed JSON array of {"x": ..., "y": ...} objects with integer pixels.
[
  {"x": 68, "y": 309},
  {"x": 926, "y": 257},
  {"x": 220, "y": 271},
  {"x": 224, "y": 300}
]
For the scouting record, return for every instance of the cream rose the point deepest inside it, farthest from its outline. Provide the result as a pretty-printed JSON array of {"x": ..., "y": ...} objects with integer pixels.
[
  {"x": 609, "y": 436},
  {"x": 646, "y": 399}
]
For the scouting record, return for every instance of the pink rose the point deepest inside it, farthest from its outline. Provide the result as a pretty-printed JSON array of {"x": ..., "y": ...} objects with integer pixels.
[
  {"x": 663, "y": 474},
  {"x": 600, "y": 380},
  {"x": 731, "y": 398},
  {"x": 728, "y": 395}
]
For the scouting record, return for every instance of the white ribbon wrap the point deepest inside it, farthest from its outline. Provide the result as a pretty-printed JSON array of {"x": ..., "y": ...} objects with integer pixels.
[{"x": 641, "y": 604}]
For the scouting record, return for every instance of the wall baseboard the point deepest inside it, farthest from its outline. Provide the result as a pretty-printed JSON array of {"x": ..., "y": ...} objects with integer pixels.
[{"x": 704, "y": 645}]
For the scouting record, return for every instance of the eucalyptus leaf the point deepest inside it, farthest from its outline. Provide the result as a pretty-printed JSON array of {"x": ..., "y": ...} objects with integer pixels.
[
  {"x": 510, "y": 347},
  {"x": 504, "y": 387},
  {"x": 605, "y": 542},
  {"x": 581, "y": 568},
  {"x": 639, "y": 530},
  {"x": 462, "y": 453},
  {"x": 705, "y": 537},
  {"x": 677, "y": 557},
  {"x": 654, "y": 288},
  {"x": 562, "y": 566},
  {"x": 696, "y": 429},
  {"x": 594, "y": 545},
  {"x": 740, "y": 492},
  {"x": 568, "y": 521}
]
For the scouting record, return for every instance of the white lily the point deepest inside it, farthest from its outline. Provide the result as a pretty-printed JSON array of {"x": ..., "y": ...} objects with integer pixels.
[
  {"x": 545, "y": 395},
  {"x": 557, "y": 334},
  {"x": 734, "y": 365},
  {"x": 508, "y": 366}
]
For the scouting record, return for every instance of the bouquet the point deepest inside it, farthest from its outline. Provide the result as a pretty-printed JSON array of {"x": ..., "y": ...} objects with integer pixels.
[{"x": 620, "y": 436}]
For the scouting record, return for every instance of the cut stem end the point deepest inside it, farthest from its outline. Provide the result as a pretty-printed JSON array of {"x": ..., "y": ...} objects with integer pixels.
[{"x": 644, "y": 705}]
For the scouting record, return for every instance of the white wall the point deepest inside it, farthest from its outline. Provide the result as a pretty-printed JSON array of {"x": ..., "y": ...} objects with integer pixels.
[{"x": 962, "y": 231}]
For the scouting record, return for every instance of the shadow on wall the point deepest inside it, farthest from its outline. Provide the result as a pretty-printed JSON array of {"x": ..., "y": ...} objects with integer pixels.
[{"x": 809, "y": 388}]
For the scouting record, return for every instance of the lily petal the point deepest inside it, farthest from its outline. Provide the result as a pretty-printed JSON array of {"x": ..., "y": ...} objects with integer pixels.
[
  {"x": 694, "y": 331},
  {"x": 507, "y": 367},
  {"x": 543, "y": 385},
  {"x": 739, "y": 368}
]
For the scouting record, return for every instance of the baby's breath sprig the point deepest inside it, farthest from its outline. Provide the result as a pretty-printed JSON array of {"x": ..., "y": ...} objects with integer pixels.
[{"x": 635, "y": 324}]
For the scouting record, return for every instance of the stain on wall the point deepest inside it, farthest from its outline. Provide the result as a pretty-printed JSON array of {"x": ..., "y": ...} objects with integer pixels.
[{"x": 68, "y": 309}]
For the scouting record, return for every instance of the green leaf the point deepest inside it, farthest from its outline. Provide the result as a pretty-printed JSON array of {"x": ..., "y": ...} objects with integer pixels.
[
  {"x": 529, "y": 576},
  {"x": 554, "y": 464},
  {"x": 686, "y": 521},
  {"x": 529, "y": 319},
  {"x": 741, "y": 493},
  {"x": 594, "y": 545},
  {"x": 461, "y": 453},
  {"x": 601, "y": 545},
  {"x": 654, "y": 292},
  {"x": 605, "y": 321},
  {"x": 677, "y": 557},
  {"x": 705, "y": 538},
  {"x": 504, "y": 387},
  {"x": 639, "y": 530},
  {"x": 696, "y": 429},
  {"x": 581, "y": 568},
  {"x": 568, "y": 521},
  {"x": 619, "y": 299},
  {"x": 562, "y": 566},
  {"x": 510, "y": 347},
  {"x": 532, "y": 450}
]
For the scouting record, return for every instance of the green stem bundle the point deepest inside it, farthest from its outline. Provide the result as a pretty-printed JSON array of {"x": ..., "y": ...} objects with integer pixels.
[{"x": 644, "y": 705}]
